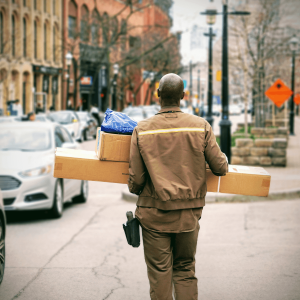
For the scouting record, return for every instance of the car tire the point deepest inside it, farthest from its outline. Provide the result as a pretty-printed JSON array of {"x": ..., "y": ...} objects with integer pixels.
[
  {"x": 58, "y": 204},
  {"x": 2, "y": 251},
  {"x": 84, "y": 191},
  {"x": 85, "y": 135}
]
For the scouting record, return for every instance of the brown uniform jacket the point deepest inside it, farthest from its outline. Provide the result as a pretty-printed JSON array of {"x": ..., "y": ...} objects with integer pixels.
[{"x": 167, "y": 160}]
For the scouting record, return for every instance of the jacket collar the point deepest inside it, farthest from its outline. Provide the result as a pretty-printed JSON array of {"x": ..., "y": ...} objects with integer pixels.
[{"x": 170, "y": 108}]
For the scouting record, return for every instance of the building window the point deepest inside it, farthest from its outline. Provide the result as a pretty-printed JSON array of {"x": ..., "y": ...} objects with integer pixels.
[
  {"x": 84, "y": 33},
  {"x": 13, "y": 35},
  {"x": 95, "y": 27},
  {"x": 35, "y": 39},
  {"x": 72, "y": 26},
  {"x": 45, "y": 5},
  {"x": 1, "y": 32},
  {"x": 24, "y": 37},
  {"x": 24, "y": 3},
  {"x": 54, "y": 56},
  {"x": 54, "y": 7},
  {"x": 34, "y": 4},
  {"x": 45, "y": 41}
]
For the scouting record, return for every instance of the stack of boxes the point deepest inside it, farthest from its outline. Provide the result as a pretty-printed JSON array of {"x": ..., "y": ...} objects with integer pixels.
[{"x": 110, "y": 163}]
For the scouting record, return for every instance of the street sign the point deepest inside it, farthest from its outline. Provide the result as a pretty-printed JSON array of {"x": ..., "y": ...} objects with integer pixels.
[
  {"x": 278, "y": 92},
  {"x": 86, "y": 80},
  {"x": 297, "y": 99}
]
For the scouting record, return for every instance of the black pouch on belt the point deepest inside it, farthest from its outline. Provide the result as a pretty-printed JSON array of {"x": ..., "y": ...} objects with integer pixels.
[{"x": 132, "y": 230}]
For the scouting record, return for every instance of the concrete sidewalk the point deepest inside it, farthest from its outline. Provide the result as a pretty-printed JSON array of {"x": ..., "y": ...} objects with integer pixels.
[{"x": 285, "y": 181}]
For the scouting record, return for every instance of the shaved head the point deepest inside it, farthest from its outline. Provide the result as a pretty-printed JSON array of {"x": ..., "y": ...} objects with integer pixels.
[{"x": 170, "y": 89}]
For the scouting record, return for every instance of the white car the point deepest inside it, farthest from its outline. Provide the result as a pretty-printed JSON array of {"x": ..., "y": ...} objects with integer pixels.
[
  {"x": 2, "y": 238},
  {"x": 70, "y": 120},
  {"x": 234, "y": 109},
  {"x": 137, "y": 114},
  {"x": 26, "y": 168}
]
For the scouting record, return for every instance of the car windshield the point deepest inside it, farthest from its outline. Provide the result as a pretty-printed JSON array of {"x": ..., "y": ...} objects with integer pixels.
[
  {"x": 61, "y": 117},
  {"x": 25, "y": 139},
  {"x": 83, "y": 116}
]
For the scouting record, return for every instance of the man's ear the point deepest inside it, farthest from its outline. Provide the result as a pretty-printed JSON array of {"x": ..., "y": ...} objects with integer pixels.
[
  {"x": 182, "y": 95},
  {"x": 158, "y": 92}
]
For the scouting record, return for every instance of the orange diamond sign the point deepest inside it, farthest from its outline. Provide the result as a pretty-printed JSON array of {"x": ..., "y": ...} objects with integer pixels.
[
  {"x": 297, "y": 99},
  {"x": 279, "y": 92}
]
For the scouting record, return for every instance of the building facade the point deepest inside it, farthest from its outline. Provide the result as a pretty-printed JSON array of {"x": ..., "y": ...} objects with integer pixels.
[
  {"x": 98, "y": 34},
  {"x": 30, "y": 54}
]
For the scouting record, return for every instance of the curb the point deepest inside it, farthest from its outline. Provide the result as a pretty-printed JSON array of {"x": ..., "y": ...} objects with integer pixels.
[{"x": 223, "y": 198}]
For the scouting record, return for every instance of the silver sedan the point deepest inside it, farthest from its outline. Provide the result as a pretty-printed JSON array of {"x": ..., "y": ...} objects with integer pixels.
[{"x": 26, "y": 167}]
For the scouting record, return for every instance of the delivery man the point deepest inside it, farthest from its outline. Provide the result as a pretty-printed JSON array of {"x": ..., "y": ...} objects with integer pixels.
[{"x": 167, "y": 170}]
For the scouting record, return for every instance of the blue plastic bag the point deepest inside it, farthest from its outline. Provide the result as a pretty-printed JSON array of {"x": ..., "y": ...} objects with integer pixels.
[{"x": 116, "y": 122}]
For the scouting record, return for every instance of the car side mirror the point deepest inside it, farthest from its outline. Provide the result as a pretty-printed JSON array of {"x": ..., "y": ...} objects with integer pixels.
[{"x": 69, "y": 145}]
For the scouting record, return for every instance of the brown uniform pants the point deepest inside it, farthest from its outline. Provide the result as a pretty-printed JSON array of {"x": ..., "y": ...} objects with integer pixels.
[{"x": 170, "y": 258}]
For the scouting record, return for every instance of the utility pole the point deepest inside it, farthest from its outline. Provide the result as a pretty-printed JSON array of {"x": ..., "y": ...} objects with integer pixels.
[{"x": 191, "y": 83}]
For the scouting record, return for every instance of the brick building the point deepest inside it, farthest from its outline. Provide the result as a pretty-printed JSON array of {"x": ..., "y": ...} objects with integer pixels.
[
  {"x": 89, "y": 30},
  {"x": 30, "y": 53}
]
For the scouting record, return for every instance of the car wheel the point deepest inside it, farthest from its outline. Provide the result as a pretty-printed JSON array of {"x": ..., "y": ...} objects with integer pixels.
[
  {"x": 84, "y": 191},
  {"x": 85, "y": 135},
  {"x": 2, "y": 251},
  {"x": 58, "y": 205}
]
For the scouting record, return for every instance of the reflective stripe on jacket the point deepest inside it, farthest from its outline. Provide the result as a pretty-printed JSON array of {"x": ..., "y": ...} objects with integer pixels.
[{"x": 167, "y": 160}]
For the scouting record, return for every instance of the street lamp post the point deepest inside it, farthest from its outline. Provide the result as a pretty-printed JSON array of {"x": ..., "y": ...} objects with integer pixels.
[
  {"x": 294, "y": 47},
  {"x": 69, "y": 58},
  {"x": 209, "y": 117},
  {"x": 191, "y": 83},
  {"x": 225, "y": 124},
  {"x": 114, "y": 95}
]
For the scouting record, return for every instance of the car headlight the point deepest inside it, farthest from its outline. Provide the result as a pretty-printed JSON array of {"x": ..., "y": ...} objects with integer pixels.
[{"x": 36, "y": 172}]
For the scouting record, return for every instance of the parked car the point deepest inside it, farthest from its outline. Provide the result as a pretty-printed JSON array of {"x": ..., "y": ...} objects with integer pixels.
[
  {"x": 137, "y": 114},
  {"x": 234, "y": 109},
  {"x": 42, "y": 117},
  {"x": 70, "y": 120},
  {"x": 216, "y": 110},
  {"x": 26, "y": 168},
  {"x": 150, "y": 111},
  {"x": 2, "y": 238},
  {"x": 9, "y": 119},
  {"x": 88, "y": 125},
  {"x": 249, "y": 108}
]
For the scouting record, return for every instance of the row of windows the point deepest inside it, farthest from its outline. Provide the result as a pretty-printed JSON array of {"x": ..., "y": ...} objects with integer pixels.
[
  {"x": 36, "y": 31},
  {"x": 37, "y": 4}
]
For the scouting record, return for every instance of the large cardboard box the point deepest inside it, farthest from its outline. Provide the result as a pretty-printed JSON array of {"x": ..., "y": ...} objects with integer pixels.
[
  {"x": 85, "y": 165},
  {"x": 112, "y": 147},
  {"x": 240, "y": 180}
]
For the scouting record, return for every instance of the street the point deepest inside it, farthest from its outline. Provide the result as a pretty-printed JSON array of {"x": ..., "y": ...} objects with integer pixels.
[{"x": 247, "y": 249}]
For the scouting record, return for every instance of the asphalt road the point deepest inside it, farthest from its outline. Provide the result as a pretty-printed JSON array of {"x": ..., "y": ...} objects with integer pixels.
[{"x": 245, "y": 251}]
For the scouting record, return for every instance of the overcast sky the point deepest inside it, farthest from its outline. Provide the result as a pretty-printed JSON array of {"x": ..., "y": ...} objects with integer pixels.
[{"x": 186, "y": 14}]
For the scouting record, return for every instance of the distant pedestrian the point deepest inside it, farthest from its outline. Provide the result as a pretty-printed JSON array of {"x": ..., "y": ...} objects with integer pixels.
[
  {"x": 38, "y": 108},
  {"x": 80, "y": 106},
  {"x": 70, "y": 105},
  {"x": 18, "y": 108},
  {"x": 95, "y": 114}
]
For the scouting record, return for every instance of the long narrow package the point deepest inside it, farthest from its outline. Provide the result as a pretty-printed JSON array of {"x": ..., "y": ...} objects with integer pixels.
[{"x": 85, "y": 165}]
